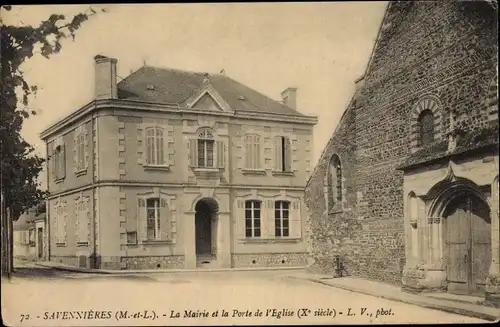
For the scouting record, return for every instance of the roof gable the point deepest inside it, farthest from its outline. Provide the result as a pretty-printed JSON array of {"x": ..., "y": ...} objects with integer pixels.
[{"x": 207, "y": 102}]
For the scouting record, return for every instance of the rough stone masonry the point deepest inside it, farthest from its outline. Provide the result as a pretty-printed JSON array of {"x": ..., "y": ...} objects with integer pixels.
[{"x": 446, "y": 49}]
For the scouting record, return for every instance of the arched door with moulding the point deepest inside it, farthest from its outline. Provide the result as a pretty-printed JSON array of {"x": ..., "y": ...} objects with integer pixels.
[{"x": 467, "y": 235}]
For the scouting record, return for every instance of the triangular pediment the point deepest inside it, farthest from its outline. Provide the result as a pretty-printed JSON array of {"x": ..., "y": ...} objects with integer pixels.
[
  {"x": 207, "y": 102},
  {"x": 208, "y": 99}
]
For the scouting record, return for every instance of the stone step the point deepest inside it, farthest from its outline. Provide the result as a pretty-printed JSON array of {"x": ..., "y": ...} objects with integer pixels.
[{"x": 206, "y": 261}]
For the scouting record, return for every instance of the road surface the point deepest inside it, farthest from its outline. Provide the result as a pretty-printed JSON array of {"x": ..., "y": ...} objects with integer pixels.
[{"x": 40, "y": 297}]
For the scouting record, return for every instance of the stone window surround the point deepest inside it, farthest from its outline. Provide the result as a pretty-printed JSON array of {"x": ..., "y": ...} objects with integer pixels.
[
  {"x": 254, "y": 142},
  {"x": 142, "y": 146},
  {"x": 220, "y": 148},
  {"x": 282, "y": 207},
  {"x": 59, "y": 159},
  {"x": 252, "y": 207},
  {"x": 82, "y": 208},
  {"x": 338, "y": 207},
  {"x": 158, "y": 138},
  {"x": 204, "y": 136},
  {"x": 61, "y": 217},
  {"x": 267, "y": 213},
  {"x": 285, "y": 154},
  {"x": 80, "y": 139},
  {"x": 426, "y": 102},
  {"x": 153, "y": 204},
  {"x": 169, "y": 205}
]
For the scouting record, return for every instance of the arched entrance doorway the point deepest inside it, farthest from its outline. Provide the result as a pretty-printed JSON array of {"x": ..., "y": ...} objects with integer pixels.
[
  {"x": 467, "y": 236},
  {"x": 205, "y": 229}
]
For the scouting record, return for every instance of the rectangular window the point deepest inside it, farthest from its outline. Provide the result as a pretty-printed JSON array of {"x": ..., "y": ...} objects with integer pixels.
[
  {"x": 155, "y": 146},
  {"x": 281, "y": 218},
  {"x": 83, "y": 221},
  {"x": 58, "y": 161},
  {"x": 205, "y": 153},
  {"x": 252, "y": 218},
  {"x": 153, "y": 219},
  {"x": 80, "y": 149},
  {"x": 61, "y": 224},
  {"x": 282, "y": 154},
  {"x": 252, "y": 151}
]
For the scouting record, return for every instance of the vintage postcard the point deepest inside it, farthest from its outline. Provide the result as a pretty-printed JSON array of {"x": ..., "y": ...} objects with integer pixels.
[{"x": 250, "y": 163}]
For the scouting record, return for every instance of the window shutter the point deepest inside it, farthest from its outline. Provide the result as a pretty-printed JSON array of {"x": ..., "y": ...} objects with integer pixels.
[
  {"x": 75, "y": 150},
  {"x": 170, "y": 152},
  {"x": 56, "y": 224},
  {"x": 85, "y": 147},
  {"x": 54, "y": 161},
  {"x": 278, "y": 159},
  {"x": 240, "y": 219},
  {"x": 267, "y": 219},
  {"x": 142, "y": 219},
  {"x": 78, "y": 215},
  {"x": 165, "y": 220},
  {"x": 221, "y": 154},
  {"x": 271, "y": 222},
  {"x": 62, "y": 161},
  {"x": 87, "y": 220},
  {"x": 193, "y": 153},
  {"x": 295, "y": 220},
  {"x": 65, "y": 223},
  {"x": 288, "y": 155},
  {"x": 256, "y": 153},
  {"x": 248, "y": 152},
  {"x": 141, "y": 144}
]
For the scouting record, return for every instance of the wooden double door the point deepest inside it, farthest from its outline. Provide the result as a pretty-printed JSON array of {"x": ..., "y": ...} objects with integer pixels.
[{"x": 468, "y": 244}]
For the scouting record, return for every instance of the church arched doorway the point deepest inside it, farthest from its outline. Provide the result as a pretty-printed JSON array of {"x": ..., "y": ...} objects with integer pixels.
[
  {"x": 205, "y": 229},
  {"x": 467, "y": 237}
]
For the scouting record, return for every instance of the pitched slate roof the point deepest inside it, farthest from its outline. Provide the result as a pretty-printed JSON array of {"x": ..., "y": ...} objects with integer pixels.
[
  {"x": 172, "y": 86},
  {"x": 473, "y": 140}
]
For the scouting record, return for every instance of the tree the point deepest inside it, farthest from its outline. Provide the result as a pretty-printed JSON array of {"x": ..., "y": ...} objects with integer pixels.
[{"x": 20, "y": 166}]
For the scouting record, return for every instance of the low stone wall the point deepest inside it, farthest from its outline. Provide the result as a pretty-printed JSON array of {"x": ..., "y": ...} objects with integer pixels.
[
  {"x": 268, "y": 260},
  {"x": 153, "y": 262}
]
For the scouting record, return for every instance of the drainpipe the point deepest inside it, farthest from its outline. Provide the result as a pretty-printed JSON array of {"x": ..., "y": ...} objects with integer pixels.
[
  {"x": 47, "y": 206},
  {"x": 94, "y": 174}
]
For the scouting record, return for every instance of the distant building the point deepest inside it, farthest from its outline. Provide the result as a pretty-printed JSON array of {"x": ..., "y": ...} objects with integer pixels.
[
  {"x": 175, "y": 169},
  {"x": 29, "y": 236},
  {"x": 406, "y": 190}
]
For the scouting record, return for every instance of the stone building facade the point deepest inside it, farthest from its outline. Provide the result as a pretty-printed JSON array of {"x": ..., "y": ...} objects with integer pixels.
[
  {"x": 175, "y": 169},
  {"x": 416, "y": 146}
]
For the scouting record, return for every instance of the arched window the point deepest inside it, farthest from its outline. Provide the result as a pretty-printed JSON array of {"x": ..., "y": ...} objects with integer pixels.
[
  {"x": 154, "y": 146},
  {"x": 205, "y": 149},
  {"x": 426, "y": 127},
  {"x": 335, "y": 181}
]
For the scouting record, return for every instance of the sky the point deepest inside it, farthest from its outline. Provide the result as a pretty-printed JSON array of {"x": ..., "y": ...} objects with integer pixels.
[{"x": 319, "y": 48}]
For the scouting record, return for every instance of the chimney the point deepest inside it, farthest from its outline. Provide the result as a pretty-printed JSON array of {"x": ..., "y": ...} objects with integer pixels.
[
  {"x": 105, "y": 78},
  {"x": 289, "y": 97}
]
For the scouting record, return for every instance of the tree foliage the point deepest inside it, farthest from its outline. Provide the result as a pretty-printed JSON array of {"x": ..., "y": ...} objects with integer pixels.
[{"x": 20, "y": 166}]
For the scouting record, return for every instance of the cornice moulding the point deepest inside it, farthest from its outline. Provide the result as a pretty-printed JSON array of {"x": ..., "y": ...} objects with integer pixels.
[{"x": 95, "y": 105}]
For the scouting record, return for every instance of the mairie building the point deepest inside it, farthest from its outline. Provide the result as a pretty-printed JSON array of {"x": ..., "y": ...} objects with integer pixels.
[{"x": 170, "y": 169}]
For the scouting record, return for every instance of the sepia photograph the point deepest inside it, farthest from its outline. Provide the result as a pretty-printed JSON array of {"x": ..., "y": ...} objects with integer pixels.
[{"x": 258, "y": 163}]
